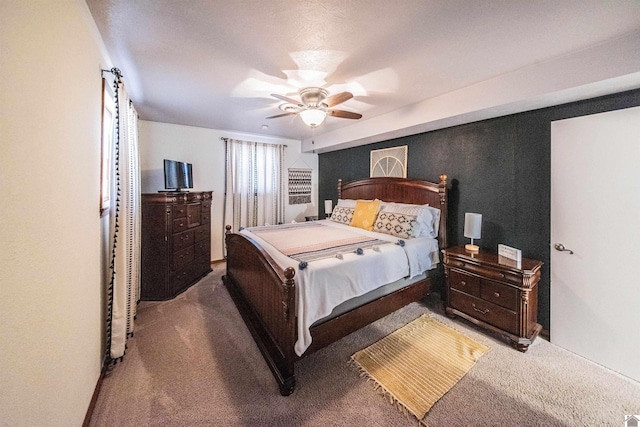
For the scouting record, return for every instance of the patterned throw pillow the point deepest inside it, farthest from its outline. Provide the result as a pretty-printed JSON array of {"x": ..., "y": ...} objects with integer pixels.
[
  {"x": 397, "y": 224},
  {"x": 365, "y": 214},
  {"x": 342, "y": 215},
  {"x": 428, "y": 218}
]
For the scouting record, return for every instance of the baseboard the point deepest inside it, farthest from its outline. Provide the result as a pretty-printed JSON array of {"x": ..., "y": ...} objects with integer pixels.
[
  {"x": 217, "y": 261},
  {"x": 94, "y": 398}
]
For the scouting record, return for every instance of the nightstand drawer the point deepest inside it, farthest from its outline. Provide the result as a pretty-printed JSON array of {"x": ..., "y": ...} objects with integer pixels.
[
  {"x": 464, "y": 282},
  {"x": 500, "y": 294},
  {"x": 491, "y": 273},
  {"x": 486, "y": 311}
]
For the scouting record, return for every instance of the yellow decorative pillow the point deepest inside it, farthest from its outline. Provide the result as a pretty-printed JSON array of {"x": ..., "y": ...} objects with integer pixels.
[{"x": 365, "y": 214}]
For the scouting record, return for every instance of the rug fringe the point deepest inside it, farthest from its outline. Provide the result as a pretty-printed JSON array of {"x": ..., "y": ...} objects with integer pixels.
[{"x": 381, "y": 389}]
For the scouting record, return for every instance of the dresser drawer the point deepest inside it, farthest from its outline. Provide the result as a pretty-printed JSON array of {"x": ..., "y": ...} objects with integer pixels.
[
  {"x": 205, "y": 218},
  {"x": 464, "y": 282},
  {"x": 193, "y": 215},
  {"x": 203, "y": 232},
  {"x": 179, "y": 211},
  {"x": 202, "y": 247},
  {"x": 492, "y": 273},
  {"x": 206, "y": 205},
  {"x": 202, "y": 265},
  {"x": 486, "y": 311},
  {"x": 180, "y": 279},
  {"x": 182, "y": 240},
  {"x": 183, "y": 257},
  {"x": 500, "y": 294},
  {"x": 179, "y": 225}
]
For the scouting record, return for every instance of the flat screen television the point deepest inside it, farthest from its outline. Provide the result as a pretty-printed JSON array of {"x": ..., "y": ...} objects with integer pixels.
[{"x": 177, "y": 175}]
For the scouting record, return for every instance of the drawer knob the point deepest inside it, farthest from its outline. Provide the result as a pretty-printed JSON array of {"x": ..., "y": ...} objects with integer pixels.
[
  {"x": 463, "y": 283},
  {"x": 496, "y": 294},
  {"x": 485, "y": 311}
]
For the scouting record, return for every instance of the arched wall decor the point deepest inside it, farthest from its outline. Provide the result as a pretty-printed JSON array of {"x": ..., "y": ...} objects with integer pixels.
[{"x": 390, "y": 162}]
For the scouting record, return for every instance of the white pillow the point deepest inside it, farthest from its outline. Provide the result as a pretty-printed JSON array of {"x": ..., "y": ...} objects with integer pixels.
[
  {"x": 351, "y": 203},
  {"x": 428, "y": 217},
  {"x": 347, "y": 203}
]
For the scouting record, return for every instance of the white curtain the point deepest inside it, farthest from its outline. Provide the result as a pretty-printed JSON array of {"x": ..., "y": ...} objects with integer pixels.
[
  {"x": 124, "y": 287},
  {"x": 254, "y": 193}
]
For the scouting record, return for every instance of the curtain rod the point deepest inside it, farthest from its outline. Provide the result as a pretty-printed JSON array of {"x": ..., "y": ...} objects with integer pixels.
[
  {"x": 115, "y": 71},
  {"x": 225, "y": 139}
]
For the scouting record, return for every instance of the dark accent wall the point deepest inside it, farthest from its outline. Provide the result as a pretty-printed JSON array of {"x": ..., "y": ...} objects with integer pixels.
[{"x": 500, "y": 168}]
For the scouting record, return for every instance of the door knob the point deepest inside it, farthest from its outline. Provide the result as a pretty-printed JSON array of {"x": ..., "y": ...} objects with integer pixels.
[{"x": 560, "y": 247}]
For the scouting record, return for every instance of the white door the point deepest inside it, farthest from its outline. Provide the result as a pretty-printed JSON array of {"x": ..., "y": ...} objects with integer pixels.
[{"x": 595, "y": 212}]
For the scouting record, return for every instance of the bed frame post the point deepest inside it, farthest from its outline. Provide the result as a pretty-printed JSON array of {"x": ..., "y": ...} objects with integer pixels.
[{"x": 442, "y": 231}]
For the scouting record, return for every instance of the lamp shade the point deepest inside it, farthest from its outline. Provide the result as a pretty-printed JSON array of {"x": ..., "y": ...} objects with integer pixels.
[
  {"x": 472, "y": 225},
  {"x": 328, "y": 207},
  {"x": 313, "y": 117}
]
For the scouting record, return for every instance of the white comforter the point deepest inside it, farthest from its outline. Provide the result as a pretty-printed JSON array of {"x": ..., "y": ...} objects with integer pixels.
[{"x": 324, "y": 284}]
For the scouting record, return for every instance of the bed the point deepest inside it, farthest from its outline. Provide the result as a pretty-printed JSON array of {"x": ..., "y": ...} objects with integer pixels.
[{"x": 264, "y": 287}]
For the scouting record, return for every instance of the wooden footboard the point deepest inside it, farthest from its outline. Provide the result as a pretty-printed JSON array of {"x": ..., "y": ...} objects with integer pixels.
[{"x": 265, "y": 297}]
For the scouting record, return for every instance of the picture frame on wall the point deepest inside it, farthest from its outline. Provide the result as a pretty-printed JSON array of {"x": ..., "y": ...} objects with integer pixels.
[
  {"x": 389, "y": 162},
  {"x": 299, "y": 186}
]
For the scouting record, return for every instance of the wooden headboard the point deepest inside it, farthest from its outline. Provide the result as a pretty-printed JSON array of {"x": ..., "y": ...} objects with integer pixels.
[{"x": 402, "y": 190}]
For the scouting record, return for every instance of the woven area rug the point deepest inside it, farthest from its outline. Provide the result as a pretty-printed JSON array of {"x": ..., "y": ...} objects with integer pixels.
[{"x": 419, "y": 363}]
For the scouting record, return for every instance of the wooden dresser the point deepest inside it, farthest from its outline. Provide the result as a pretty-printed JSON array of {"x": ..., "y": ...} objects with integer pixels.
[
  {"x": 494, "y": 292},
  {"x": 176, "y": 242}
]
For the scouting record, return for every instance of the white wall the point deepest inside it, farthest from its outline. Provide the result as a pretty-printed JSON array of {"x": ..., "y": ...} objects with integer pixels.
[
  {"x": 606, "y": 68},
  {"x": 205, "y": 150},
  {"x": 51, "y": 315}
]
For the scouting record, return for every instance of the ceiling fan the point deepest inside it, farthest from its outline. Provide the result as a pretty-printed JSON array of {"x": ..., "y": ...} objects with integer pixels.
[{"x": 315, "y": 105}]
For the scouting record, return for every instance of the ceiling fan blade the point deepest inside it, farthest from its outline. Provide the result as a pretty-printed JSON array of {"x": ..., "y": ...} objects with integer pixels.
[
  {"x": 281, "y": 115},
  {"x": 289, "y": 100},
  {"x": 344, "y": 114},
  {"x": 338, "y": 98}
]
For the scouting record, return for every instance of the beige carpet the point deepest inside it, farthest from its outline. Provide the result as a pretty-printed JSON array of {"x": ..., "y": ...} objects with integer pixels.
[
  {"x": 420, "y": 362},
  {"x": 193, "y": 362}
]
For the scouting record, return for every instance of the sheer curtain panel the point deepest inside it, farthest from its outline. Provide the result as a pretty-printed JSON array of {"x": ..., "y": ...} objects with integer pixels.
[{"x": 254, "y": 193}]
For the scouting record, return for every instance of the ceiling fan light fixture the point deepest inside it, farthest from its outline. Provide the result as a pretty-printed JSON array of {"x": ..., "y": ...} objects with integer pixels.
[{"x": 313, "y": 117}]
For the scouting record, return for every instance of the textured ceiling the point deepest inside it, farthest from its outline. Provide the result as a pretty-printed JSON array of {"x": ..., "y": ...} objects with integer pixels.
[{"x": 214, "y": 64}]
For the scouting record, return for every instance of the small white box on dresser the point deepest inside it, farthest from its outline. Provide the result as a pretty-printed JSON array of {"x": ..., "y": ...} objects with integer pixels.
[{"x": 510, "y": 253}]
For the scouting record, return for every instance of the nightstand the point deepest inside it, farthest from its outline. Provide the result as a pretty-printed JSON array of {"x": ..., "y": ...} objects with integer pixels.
[{"x": 494, "y": 292}]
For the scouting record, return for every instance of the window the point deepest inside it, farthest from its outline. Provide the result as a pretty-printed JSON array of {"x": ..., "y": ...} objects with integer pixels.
[{"x": 254, "y": 192}]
